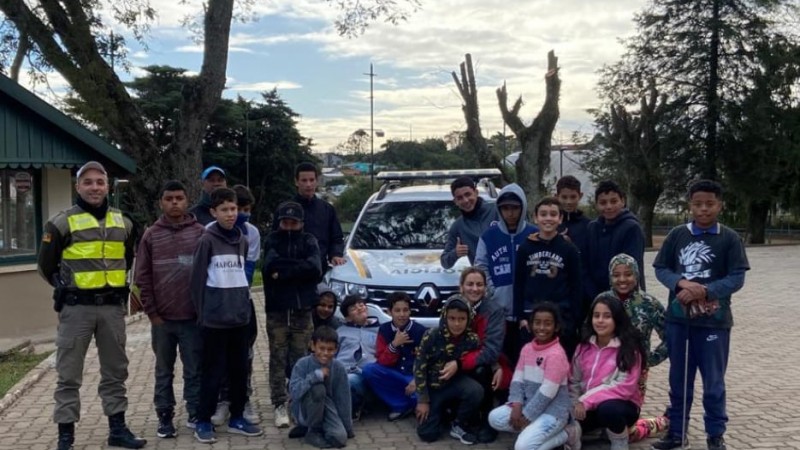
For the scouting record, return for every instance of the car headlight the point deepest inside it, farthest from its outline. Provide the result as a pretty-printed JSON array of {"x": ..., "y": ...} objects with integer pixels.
[
  {"x": 338, "y": 288},
  {"x": 357, "y": 289},
  {"x": 343, "y": 289}
]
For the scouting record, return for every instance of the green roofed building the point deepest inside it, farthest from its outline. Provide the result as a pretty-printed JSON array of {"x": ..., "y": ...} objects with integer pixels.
[{"x": 40, "y": 151}]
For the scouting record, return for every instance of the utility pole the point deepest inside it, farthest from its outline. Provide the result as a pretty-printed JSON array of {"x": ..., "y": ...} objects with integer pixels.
[
  {"x": 247, "y": 144},
  {"x": 371, "y": 128}
]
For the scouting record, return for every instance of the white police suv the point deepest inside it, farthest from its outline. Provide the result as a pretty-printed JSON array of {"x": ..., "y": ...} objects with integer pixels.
[{"x": 398, "y": 238}]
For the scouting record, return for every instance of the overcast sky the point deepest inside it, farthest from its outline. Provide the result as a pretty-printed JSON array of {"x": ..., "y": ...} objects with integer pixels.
[{"x": 293, "y": 45}]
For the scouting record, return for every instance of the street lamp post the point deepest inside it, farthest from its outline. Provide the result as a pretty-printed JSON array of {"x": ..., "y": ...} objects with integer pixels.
[
  {"x": 247, "y": 146},
  {"x": 371, "y": 128}
]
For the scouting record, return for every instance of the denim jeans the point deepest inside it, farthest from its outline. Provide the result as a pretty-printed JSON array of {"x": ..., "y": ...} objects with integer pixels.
[
  {"x": 544, "y": 433},
  {"x": 167, "y": 339},
  {"x": 358, "y": 389}
]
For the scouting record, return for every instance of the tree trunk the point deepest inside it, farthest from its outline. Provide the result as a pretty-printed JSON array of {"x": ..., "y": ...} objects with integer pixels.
[
  {"x": 757, "y": 212},
  {"x": 709, "y": 169},
  {"x": 68, "y": 45},
  {"x": 647, "y": 214},
  {"x": 468, "y": 89},
  {"x": 202, "y": 94},
  {"x": 535, "y": 139}
]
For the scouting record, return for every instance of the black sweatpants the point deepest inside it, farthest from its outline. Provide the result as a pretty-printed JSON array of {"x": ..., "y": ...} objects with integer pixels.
[
  {"x": 462, "y": 389},
  {"x": 224, "y": 356},
  {"x": 612, "y": 414}
]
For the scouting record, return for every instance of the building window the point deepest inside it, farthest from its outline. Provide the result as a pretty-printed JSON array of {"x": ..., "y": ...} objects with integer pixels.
[{"x": 18, "y": 225}]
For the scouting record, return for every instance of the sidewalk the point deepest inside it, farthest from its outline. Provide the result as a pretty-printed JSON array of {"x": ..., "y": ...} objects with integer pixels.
[{"x": 763, "y": 383}]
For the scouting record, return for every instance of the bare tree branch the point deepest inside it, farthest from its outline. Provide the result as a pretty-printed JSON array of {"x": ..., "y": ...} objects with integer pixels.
[
  {"x": 535, "y": 139},
  {"x": 468, "y": 89}
]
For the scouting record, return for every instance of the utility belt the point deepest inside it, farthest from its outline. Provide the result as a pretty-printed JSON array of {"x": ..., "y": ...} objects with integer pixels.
[
  {"x": 97, "y": 299},
  {"x": 74, "y": 297}
]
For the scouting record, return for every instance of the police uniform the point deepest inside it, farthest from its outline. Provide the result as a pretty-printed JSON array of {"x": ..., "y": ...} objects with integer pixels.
[{"x": 85, "y": 254}]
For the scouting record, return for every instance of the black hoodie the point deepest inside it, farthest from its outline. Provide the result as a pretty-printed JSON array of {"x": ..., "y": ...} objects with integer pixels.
[
  {"x": 605, "y": 240},
  {"x": 291, "y": 269},
  {"x": 574, "y": 226}
]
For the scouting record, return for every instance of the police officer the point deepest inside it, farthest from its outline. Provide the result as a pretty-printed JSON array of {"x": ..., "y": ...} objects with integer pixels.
[{"x": 85, "y": 254}]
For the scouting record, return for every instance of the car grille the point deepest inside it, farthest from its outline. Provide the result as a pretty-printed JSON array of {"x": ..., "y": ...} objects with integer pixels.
[{"x": 419, "y": 307}]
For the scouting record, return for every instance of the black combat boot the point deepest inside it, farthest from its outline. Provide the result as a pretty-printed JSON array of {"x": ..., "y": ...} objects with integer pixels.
[
  {"x": 120, "y": 436},
  {"x": 66, "y": 436}
]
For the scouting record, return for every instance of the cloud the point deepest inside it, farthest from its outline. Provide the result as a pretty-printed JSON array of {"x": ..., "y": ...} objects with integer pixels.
[
  {"x": 508, "y": 40},
  {"x": 261, "y": 86}
]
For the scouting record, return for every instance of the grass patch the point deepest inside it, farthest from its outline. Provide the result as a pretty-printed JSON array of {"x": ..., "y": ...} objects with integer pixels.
[
  {"x": 257, "y": 281},
  {"x": 15, "y": 366}
]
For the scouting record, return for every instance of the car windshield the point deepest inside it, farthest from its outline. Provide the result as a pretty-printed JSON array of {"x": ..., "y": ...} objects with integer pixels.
[{"x": 405, "y": 225}]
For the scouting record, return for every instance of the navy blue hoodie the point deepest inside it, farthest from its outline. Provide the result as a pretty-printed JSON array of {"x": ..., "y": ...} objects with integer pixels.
[
  {"x": 604, "y": 240},
  {"x": 574, "y": 226}
]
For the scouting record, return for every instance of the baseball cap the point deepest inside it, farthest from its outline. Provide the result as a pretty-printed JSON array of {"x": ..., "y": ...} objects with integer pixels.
[
  {"x": 290, "y": 210},
  {"x": 209, "y": 170},
  {"x": 92, "y": 165},
  {"x": 509, "y": 199}
]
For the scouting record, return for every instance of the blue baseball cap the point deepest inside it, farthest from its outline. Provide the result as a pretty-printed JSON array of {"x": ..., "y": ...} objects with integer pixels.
[{"x": 209, "y": 170}]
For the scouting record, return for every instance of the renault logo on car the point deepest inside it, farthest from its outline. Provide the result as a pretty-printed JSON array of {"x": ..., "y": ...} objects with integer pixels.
[{"x": 428, "y": 295}]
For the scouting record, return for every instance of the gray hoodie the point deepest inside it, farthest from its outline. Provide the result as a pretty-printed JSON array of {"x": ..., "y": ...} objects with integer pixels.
[{"x": 468, "y": 228}]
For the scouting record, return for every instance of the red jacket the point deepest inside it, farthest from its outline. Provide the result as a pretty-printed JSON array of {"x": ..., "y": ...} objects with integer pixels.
[
  {"x": 489, "y": 324},
  {"x": 164, "y": 267}
]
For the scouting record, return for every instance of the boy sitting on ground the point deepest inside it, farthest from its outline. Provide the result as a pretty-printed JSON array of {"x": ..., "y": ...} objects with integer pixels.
[
  {"x": 439, "y": 373},
  {"x": 357, "y": 339},
  {"x": 392, "y": 377},
  {"x": 321, "y": 405}
]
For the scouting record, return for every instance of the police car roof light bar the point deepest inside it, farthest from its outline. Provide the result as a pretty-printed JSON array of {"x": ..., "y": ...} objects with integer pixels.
[{"x": 435, "y": 174}]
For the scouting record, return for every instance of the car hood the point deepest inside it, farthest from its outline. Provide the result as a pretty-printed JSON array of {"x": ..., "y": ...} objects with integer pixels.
[{"x": 401, "y": 268}]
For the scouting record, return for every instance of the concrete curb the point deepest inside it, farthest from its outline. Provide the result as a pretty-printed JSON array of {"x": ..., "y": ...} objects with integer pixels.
[
  {"x": 27, "y": 382},
  {"x": 36, "y": 374}
]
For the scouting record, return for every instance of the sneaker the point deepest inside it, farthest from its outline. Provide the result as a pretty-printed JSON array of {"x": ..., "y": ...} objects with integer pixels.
[
  {"x": 165, "y": 427},
  {"x": 298, "y": 431},
  {"x": 574, "y": 432},
  {"x": 670, "y": 442},
  {"x": 250, "y": 414},
  {"x": 716, "y": 443},
  {"x": 400, "y": 415},
  {"x": 204, "y": 433},
  {"x": 242, "y": 426},
  {"x": 221, "y": 414},
  {"x": 316, "y": 438},
  {"x": 457, "y": 432},
  {"x": 191, "y": 422},
  {"x": 281, "y": 417},
  {"x": 486, "y": 435}
]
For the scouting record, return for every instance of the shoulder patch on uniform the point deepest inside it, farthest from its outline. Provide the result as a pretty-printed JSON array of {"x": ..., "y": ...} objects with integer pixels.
[{"x": 47, "y": 237}]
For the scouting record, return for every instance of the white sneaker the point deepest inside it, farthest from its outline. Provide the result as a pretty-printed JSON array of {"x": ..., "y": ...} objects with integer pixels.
[
  {"x": 221, "y": 415},
  {"x": 281, "y": 417},
  {"x": 250, "y": 414}
]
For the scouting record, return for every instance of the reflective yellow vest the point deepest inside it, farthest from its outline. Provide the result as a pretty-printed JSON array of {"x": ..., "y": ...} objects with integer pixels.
[{"x": 95, "y": 257}]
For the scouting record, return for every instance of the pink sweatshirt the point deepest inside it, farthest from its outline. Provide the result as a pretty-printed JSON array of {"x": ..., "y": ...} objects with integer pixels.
[{"x": 595, "y": 377}]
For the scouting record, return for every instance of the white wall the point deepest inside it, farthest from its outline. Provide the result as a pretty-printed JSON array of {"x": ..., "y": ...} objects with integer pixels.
[{"x": 56, "y": 191}]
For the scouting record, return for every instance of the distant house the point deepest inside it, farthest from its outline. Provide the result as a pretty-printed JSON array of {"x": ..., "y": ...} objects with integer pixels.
[
  {"x": 40, "y": 150},
  {"x": 329, "y": 174},
  {"x": 331, "y": 159}
]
